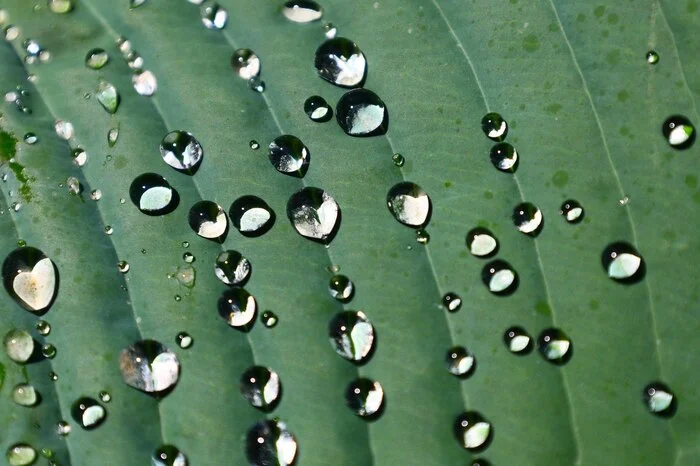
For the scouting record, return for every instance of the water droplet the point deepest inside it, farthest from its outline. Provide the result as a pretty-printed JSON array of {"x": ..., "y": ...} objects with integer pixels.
[
  {"x": 186, "y": 275},
  {"x": 289, "y": 155},
  {"x": 123, "y": 266},
  {"x": 145, "y": 83},
  {"x": 481, "y": 462},
  {"x": 21, "y": 454},
  {"x": 108, "y": 96},
  {"x": 149, "y": 366},
  {"x": 30, "y": 278},
  {"x": 528, "y": 219},
  {"x": 341, "y": 288},
  {"x": 185, "y": 244},
  {"x": 256, "y": 84},
  {"x": 341, "y": 62},
  {"x": 254, "y": 145},
  {"x": 31, "y": 46},
  {"x": 237, "y": 307},
  {"x": 302, "y": 11},
  {"x": 500, "y": 277},
  {"x": 31, "y": 139},
  {"x": 96, "y": 59},
  {"x": 43, "y": 327},
  {"x": 361, "y": 112},
  {"x": 245, "y": 63},
  {"x": 318, "y": 109},
  {"x": 659, "y": 399},
  {"x": 73, "y": 185},
  {"x": 181, "y": 151},
  {"x": 314, "y": 214},
  {"x": 452, "y": 302},
  {"x": 15, "y": 206},
  {"x": 109, "y": 230},
  {"x": 652, "y": 57},
  {"x": 48, "y": 351},
  {"x": 494, "y": 127},
  {"x": 679, "y": 132},
  {"x": 623, "y": 263},
  {"x": 105, "y": 396},
  {"x": 112, "y": 136},
  {"x": 269, "y": 319},
  {"x": 63, "y": 428},
  {"x": 64, "y": 129},
  {"x": 504, "y": 157},
  {"x": 422, "y": 236},
  {"x": 398, "y": 160},
  {"x": 460, "y": 361},
  {"x": 136, "y": 3},
  {"x": 79, "y": 156},
  {"x": 53, "y": 376},
  {"x": 168, "y": 455},
  {"x": 184, "y": 340},
  {"x": 152, "y": 194},
  {"x": 134, "y": 60},
  {"x": 188, "y": 257},
  {"x": 364, "y": 397},
  {"x": 330, "y": 31},
  {"x": 214, "y": 16},
  {"x": 251, "y": 216},
  {"x": 232, "y": 268},
  {"x": 572, "y": 211},
  {"x": 261, "y": 387},
  {"x": 96, "y": 194},
  {"x": 269, "y": 442},
  {"x": 351, "y": 335},
  {"x": 208, "y": 220},
  {"x": 88, "y": 412},
  {"x": 481, "y": 242},
  {"x": 61, "y": 6},
  {"x": 555, "y": 346},
  {"x": 409, "y": 204},
  {"x": 25, "y": 395},
  {"x": 11, "y": 32},
  {"x": 517, "y": 340},
  {"x": 473, "y": 431}
]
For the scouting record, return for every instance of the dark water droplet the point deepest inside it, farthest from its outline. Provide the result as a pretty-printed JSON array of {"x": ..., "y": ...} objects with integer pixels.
[
  {"x": 517, "y": 340},
  {"x": 208, "y": 220},
  {"x": 314, "y": 214},
  {"x": 422, "y": 236},
  {"x": 30, "y": 278},
  {"x": 452, "y": 302},
  {"x": 652, "y": 57},
  {"x": 254, "y": 145},
  {"x": 48, "y": 351},
  {"x": 168, "y": 455},
  {"x": 256, "y": 84},
  {"x": 88, "y": 413},
  {"x": 181, "y": 151},
  {"x": 528, "y": 219},
  {"x": 302, "y": 11},
  {"x": 494, "y": 127},
  {"x": 481, "y": 462},
  {"x": 43, "y": 327},
  {"x": 341, "y": 62},
  {"x": 238, "y": 308},
  {"x": 364, "y": 397},
  {"x": 149, "y": 366},
  {"x": 500, "y": 277},
  {"x": 318, "y": 109},
  {"x": 214, "y": 16},
  {"x": 398, "y": 159},
  {"x": 269, "y": 442},
  {"x": 460, "y": 361},
  {"x": 251, "y": 216},
  {"x": 261, "y": 387},
  {"x": 409, "y": 204},
  {"x": 555, "y": 346},
  {"x": 184, "y": 340},
  {"x": 572, "y": 211},
  {"x": 245, "y": 63},
  {"x": 232, "y": 268},
  {"x": 341, "y": 288},
  {"x": 659, "y": 399},
  {"x": 504, "y": 157},
  {"x": 623, "y": 263},
  {"x": 269, "y": 319},
  {"x": 473, "y": 432},
  {"x": 153, "y": 195},
  {"x": 351, "y": 335},
  {"x": 361, "y": 113},
  {"x": 679, "y": 132},
  {"x": 481, "y": 242},
  {"x": 289, "y": 155}
]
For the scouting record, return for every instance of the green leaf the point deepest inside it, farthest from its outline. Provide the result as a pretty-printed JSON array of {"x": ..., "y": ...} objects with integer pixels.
[{"x": 585, "y": 111}]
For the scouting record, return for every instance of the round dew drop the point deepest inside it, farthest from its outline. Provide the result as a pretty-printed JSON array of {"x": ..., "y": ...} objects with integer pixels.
[
  {"x": 168, "y": 455},
  {"x": 214, "y": 16},
  {"x": 364, "y": 397},
  {"x": 452, "y": 302},
  {"x": 208, "y": 220},
  {"x": 251, "y": 216},
  {"x": 341, "y": 288},
  {"x": 555, "y": 346},
  {"x": 152, "y": 194},
  {"x": 659, "y": 399},
  {"x": 652, "y": 57},
  {"x": 472, "y": 431},
  {"x": 623, "y": 263},
  {"x": 270, "y": 442},
  {"x": 261, "y": 387},
  {"x": 182, "y": 151},
  {"x": 500, "y": 277},
  {"x": 572, "y": 211},
  {"x": 409, "y": 204},
  {"x": 494, "y": 127},
  {"x": 289, "y": 155},
  {"x": 517, "y": 340},
  {"x": 302, "y": 11},
  {"x": 245, "y": 63},
  {"x": 238, "y": 308},
  {"x": 269, "y": 319},
  {"x": 351, "y": 335},
  {"x": 528, "y": 219},
  {"x": 679, "y": 132},
  {"x": 149, "y": 366},
  {"x": 460, "y": 361},
  {"x": 504, "y": 157},
  {"x": 341, "y": 62},
  {"x": 232, "y": 268},
  {"x": 88, "y": 413},
  {"x": 361, "y": 113},
  {"x": 481, "y": 242},
  {"x": 30, "y": 278},
  {"x": 317, "y": 109},
  {"x": 314, "y": 214}
]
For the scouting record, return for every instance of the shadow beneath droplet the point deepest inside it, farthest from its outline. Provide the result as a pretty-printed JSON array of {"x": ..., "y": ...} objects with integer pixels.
[{"x": 36, "y": 355}]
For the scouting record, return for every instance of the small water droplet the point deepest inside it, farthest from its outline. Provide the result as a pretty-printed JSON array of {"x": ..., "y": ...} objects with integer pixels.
[
  {"x": 245, "y": 63},
  {"x": 364, "y": 397},
  {"x": 30, "y": 138},
  {"x": 43, "y": 327},
  {"x": 184, "y": 340},
  {"x": 185, "y": 244},
  {"x": 504, "y": 157},
  {"x": 214, "y": 16},
  {"x": 269, "y": 319},
  {"x": 108, "y": 96},
  {"x": 237, "y": 307},
  {"x": 134, "y": 60},
  {"x": 181, "y": 151},
  {"x": 261, "y": 387},
  {"x": 254, "y": 145},
  {"x": 88, "y": 412},
  {"x": 136, "y": 3},
  {"x": 15, "y": 206},
  {"x": 314, "y": 214},
  {"x": 452, "y": 302},
  {"x": 351, "y": 335},
  {"x": 96, "y": 58},
  {"x": 11, "y": 32},
  {"x": 32, "y": 47},
  {"x": 30, "y": 278},
  {"x": 152, "y": 194},
  {"x": 145, "y": 83},
  {"x": 123, "y": 266},
  {"x": 302, "y": 11},
  {"x": 178, "y": 298},
  {"x": 48, "y": 351},
  {"x": 53, "y": 376},
  {"x": 289, "y": 155},
  {"x": 679, "y": 132},
  {"x": 109, "y": 230},
  {"x": 149, "y": 366},
  {"x": 21, "y": 454},
  {"x": 251, "y": 216},
  {"x": 61, "y": 6},
  {"x": 473, "y": 432},
  {"x": 528, "y": 219},
  {"x": 25, "y": 395},
  {"x": 208, "y": 220},
  {"x": 494, "y": 127},
  {"x": 362, "y": 113},
  {"x": 623, "y": 263},
  {"x": 500, "y": 277},
  {"x": 422, "y": 236},
  {"x": 409, "y": 204},
  {"x": 63, "y": 428},
  {"x": 341, "y": 288},
  {"x": 232, "y": 268},
  {"x": 652, "y": 57},
  {"x": 555, "y": 346},
  {"x": 481, "y": 242},
  {"x": 517, "y": 340},
  {"x": 73, "y": 185},
  {"x": 341, "y": 62},
  {"x": 460, "y": 361},
  {"x": 317, "y": 109},
  {"x": 186, "y": 276},
  {"x": 256, "y": 84},
  {"x": 79, "y": 156},
  {"x": 624, "y": 201},
  {"x": 269, "y": 442},
  {"x": 659, "y": 399},
  {"x": 96, "y": 194},
  {"x": 105, "y": 396},
  {"x": 168, "y": 455},
  {"x": 398, "y": 159},
  {"x": 64, "y": 129},
  {"x": 188, "y": 257},
  {"x": 330, "y": 31},
  {"x": 572, "y": 211}
]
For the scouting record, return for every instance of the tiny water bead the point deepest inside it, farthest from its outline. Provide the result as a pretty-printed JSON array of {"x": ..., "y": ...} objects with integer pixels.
[
  {"x": 25, "y": 395},
  {"x": 168, "y": 455},
  {"x": 341, "y": 288},
  {"x": 182, "y": 151},
  {"x": 112, "y": 137},
  {"x": 555, "y": 346},
  {"x": 504, "y": 157},
  {"x": 245, "y": 63},
  {"x": 214, "y": 16},
  {"x": 88, "y": 412},
  {"x": 269, "y": 319},
  {"x": 362, "y": 113},
  {"x": 208, "y": 220},
  {"x": 232, "y": 268},
  {"x": 623, "y": 263},
  {"x": 422, "y": 236},
  {"x": 184, "y": 340},
  {"x": 105, "y": 396},
  {"x": 96, "y": 58},
  {"x": 261, "y": 387},
  {"x": 517, "y": 340},
  {"x": 460, "y": 361},
  {"x": 145, "y": 83},
  {"x": 481, "y": 242},
  {"x": 21, "y": 454},
  {"x": 63, "y": 428},
  {"x": 188, "y": 257},
  {"x": 409, "y": 204},
  {"x": 302, "y": 11},
  {"x": 30, "y": 278},
  {"x": 398, "y": 160},
  {"x": 341, "y": 62},
  {"x": 134, "y": 60},
  {"x": 329, "y": 30},
  {"x": 152, "y": 194},
  {"x": 251, "y": 216},
  {"x": 528, "y": 219},
  {"x": 123, "y": 266},
  {"x": 30, "y": 138},
  {"x": 269, "y": 442},
  {"x": 652, "y": 57},
  {"x": 473, "y": 432},
  {"x": 572, "y": 211},
  {"x": 64, "y": 129},
  {"x": 500, "y": 277},
  {"x": 351, "y": 335},
  {"x": 108, "y": 96},
  {"x": 289, "y": 155},
  {"x": 48, "y": 351},
  {"x": 109, "y": 230},
  {"x": 256, "y": 84},
  {"x": 53, "y": 376},
  {"x": 254, "y": 145},
  {"x": 314, "y": 214},
  {"x": 364, "y": 397},
  {"x": 679, "y": 132},
  {"x": 494, "y": 127},
  {"x": 149, "y": 366},
  {"x": 317, "y": 109},
  {"x": 237, "y": 307},
  {"x": 452, "y": 302},
  {"x": 659, "y": 399}
]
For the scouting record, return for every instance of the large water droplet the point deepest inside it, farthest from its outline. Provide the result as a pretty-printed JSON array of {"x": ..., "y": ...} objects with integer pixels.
[
  {"x": 21, "y": 454},
  {"x": 351, "y": 335},
  {"x": 504, "y": 157},
  {"x": 652, "y": 57},
  {"x": 208, "y": 220},
  {"x": 494, "y": 127},
  {"x": 361, "y": 113},
  {"x": 25, "y": 395},
  {"x": 341, "y": 62},
  {"x": 555, "y": 346},
  {"x": 232, "y": 268},
  {"x": 528, "y": 219},
  {"x": 341, "y": 288},
  {"x": 261, "y": 387},
  {"x": 108, "y": 96},
  {"x": 460, "y": 361},
  {"x": 88, "y": 412},
  {"x": 149, "y": 366},
  {"x": 314, "y": 214},
  {"x": 214, "y": 16},
  {"x": 623, "y": 263},
  {"x": 168, "y": 455},
  {"x": 64, "y": 129},
  {"x": 452, "y": 302},
  {"x": 659, "y": 399},
  {"x": 251, "y": 216},
  {"x": 318, "y": 109},
  {"x": 517, "y": 340},
  {"x": 145, "y": 83},
  {"x": 237, "y": 307},
  {"x": 500, "y": 277},
  {"x": 481, "y": 242},
  {"x": 302, "y": 11},
  {"x": 289, "y": 155},
  {"x": 245, "y": 63},
  {"x": 181, "y": 151},
  {"x": 19, "y": 345},
  {"x": 270, "y": 443},
  {"x": 152, "y": 194},
  {"x": 473, "y": 432},
  {"x": 679, "y": 132},
  {"x": 364, "y": 397},
  {"x": 572, "y": 211},
  {"x": 30, "y": 278},
  {"x": 409, "y": 204}
]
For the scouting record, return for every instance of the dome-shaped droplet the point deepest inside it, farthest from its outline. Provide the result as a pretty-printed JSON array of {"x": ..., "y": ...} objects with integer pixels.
[
  {"x": 460, "y": 361},
  {"x": 208, "y": 220},
  {"x": 481, "y": 462},
  {"x": 679, "y": 132},
  {"x": 555, "y": 346},
  {"x": 659, "y": 399},
  {"x": 19, "y": 345},
  {"x": 361, "y": 112},
  {"x": 398, "y": 159},
  {"x": 623, "y": 263},
  {"x": 494, "y": 127},
  {"x": 152, "y": 194},
  {"x": 481, "y": 242},
  {"x": 30, "y": 138},
  {"x": 245, "y": 63},
  {"x": 32, "y": 47},
  {"x": 64, "y": 129},
  {"x": 184, "y": 340},
  {"x": 452, "y": 302},
  {"x": 572, "y": 211},
  {"x": 314, "y": 214},
  {"x": 504, "y": 157},
  {"x": 364, "y": 397},
  {"x": 21, "y": 454},
  {"x": 499, "y": 277},
  {"x": 232, "y": 268},
  {"x": 652, "y": 57},
  {"x": 25, "y": 395},
  {"x": 11, "y": 32},
  {"x": 149, "y": 366},
  {"x": 473, "y": 432},
  {"x": 341, "y": 62},
  {"x": 105, "y": 396},
  {"x": 351, "y": 335},
  {"x": 251, "y": 216},
  {"x": 168, "y": 455},
  {"x": 270, "y": 443},
  {"x": 134, "y": 60},
  {"x": 108, "y": 96},
  {"x": 289, "y": 155},
  {"x": 302, "y": 11},
  {"x": 528, "y": 219},
  {"x": 61, "y": 6},
  {"x": 30, "y": 278},
  {"x": 261, "y": 387},
  {"x": 181, "y": 151},
  {"x": 318, "y": 109},
  {"x": 88, "y": 412},
  {"x": 269, "y": 319},
  {"x": 409, "y": 204},
  {"x": 63, "y": 428},
  {"x": 48, "y": 351},
  {"x": 79, "y": 156},
  {"x": 145, "y": 83},
  {"x": 329, "y": 30},
  {"x": 254, "y": 145},
  {"x": 43, "y": 327},
  {"x": 341, "y": 288},
  {"x": 517, "y": 340},
  {"x": 214, "y": 16},
  {"x": 237, "y": 307}
]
